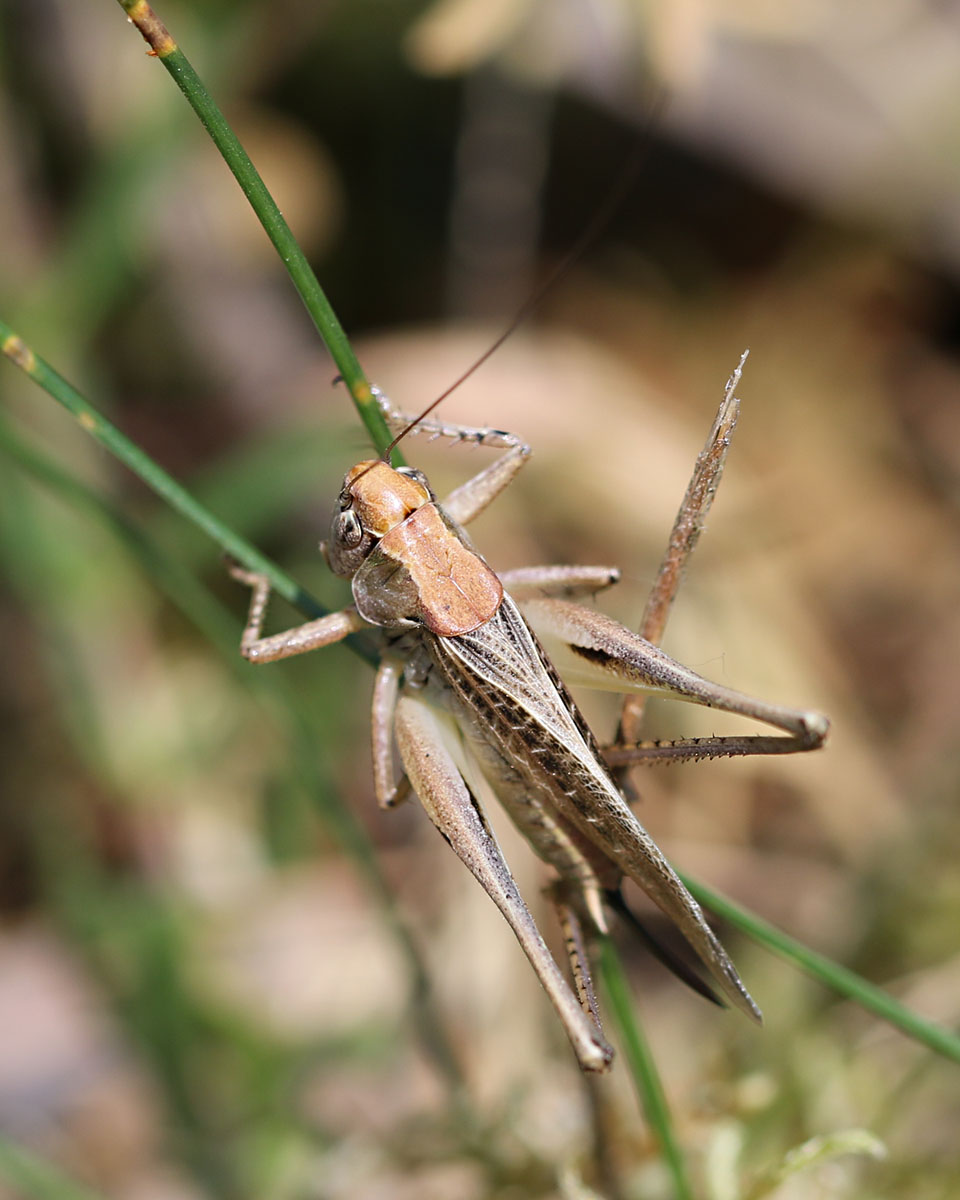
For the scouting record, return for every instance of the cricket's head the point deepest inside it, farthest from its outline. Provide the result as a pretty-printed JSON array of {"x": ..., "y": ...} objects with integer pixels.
[{"x": 374, "y": 499}]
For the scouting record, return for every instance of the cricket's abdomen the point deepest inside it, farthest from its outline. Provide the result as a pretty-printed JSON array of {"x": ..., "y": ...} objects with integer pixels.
[
  {"x": 530, "y": 805},
  {"x": 533, "y": 771}
]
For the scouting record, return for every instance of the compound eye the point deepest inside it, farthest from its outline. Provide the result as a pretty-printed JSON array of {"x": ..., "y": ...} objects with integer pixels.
[
  {"x": 416, "y": 475},
  {"x": 349, "y": 529}
]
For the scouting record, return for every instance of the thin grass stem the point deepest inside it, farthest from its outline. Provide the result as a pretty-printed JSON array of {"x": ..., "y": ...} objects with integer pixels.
[
  {"x": 642, "y": 1067},
  {"x": 163, "y": 47},
  {"x": 154, "y": 476},
  {"x": 841, "y": 979}
]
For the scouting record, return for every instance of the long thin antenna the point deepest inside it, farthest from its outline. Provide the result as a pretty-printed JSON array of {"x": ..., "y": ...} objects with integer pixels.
[{"x": 595, "y": 226}]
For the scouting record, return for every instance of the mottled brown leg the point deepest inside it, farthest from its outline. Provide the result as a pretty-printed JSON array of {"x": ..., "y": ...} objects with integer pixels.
[
  {"x": 389, "y": 790},
  {"x": 572, "y": 929},
  {"x": 686, "y": 531},
  {"x": 455, "y": 812},
  {"x": 302, "y": 638},
  {"x": 563, "y": 581}
]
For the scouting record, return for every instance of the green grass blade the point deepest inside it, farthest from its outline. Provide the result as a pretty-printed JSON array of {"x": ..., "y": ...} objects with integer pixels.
[
  {"x": 34, "y": 1178},
  {"x": 153, "y": 475},
  {"x": 640, "y": 1062},
  {"x": 277, "y": 230},
  {"x": 841, "y": 979}
]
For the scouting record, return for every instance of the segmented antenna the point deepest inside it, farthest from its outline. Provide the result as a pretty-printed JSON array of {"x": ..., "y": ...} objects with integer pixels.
[{"x": 595, "y": 226}]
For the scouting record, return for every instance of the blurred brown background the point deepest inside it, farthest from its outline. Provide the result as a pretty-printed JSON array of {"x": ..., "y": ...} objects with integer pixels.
[{"x": 206, "y": 972}]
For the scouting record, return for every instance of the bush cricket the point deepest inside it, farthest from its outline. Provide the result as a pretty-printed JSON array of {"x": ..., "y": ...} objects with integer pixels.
[{"x": 468, "y": 693}]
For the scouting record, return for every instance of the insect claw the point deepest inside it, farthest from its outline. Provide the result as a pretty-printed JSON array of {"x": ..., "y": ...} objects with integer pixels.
[
  {"x": 594, "y": 906},
  {"x": 816, "y": 727},
  {"x": 251, "y": 579},
  {"x": 236, "y": 570},
  {"x": 400, "y": 794}
]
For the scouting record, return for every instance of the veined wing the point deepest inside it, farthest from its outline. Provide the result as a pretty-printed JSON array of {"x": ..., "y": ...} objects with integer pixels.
[
  {"x": 504, "y": 655},
  {"x": 517, "y": 703}
]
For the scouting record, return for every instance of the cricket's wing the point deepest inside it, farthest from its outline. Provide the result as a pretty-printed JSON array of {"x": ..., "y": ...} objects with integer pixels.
[{"x": 515, "y": 700}]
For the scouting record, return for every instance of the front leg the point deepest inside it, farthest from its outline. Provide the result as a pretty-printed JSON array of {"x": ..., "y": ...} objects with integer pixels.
[
  {"x": 310, "y": 636},
  {"x": 478, "y": 435},
  {"x": 471, "y": 498}
]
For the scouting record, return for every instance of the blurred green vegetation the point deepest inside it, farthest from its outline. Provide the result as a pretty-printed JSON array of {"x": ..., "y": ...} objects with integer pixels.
[{"x": 213, "y": 985}]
